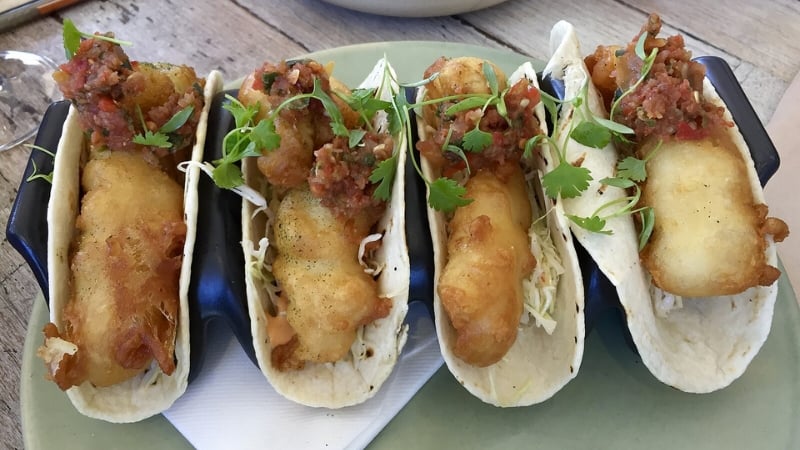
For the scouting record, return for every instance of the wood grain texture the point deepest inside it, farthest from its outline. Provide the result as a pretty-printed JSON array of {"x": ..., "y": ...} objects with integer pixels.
[{"x": 760, "y": 40}]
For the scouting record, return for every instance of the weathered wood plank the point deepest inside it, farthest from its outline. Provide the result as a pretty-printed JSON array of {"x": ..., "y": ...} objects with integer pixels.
[
  {"x": 317, "y": 25},
  {"x": 765, "y": 34},
  {"x": 526, "y": 26}
]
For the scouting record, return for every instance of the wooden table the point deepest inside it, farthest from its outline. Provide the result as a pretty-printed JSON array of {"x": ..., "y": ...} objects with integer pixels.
[{"x": 761, "y": 41}]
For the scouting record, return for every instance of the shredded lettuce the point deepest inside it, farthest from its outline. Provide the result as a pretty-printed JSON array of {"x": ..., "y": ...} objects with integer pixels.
[{"x": 540, "y": 288}]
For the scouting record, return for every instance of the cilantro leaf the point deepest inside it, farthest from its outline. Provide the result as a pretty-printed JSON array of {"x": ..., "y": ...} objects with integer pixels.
[
  {"x": 632, "y": 168},
  {"x": 591, "y": 134},
  {"x": 264, "y": 135},
  {"x": 566, "y": 180},
  {"x": 152, "y": 139},
  {"x": 476, "y": 140},
  {"x": 227, "y": 175},
  {"x": 177, "y": 121},
  {"x": 396, "y": 113},
  {"x": 363, "y": 102},
  {"x": 491, "y": 77},
  {"x": 594, "y": 224},
  {"x": 500, "y": 104},
  {"x": 639, "y": 50},
  {"x": 615, "y": 127},
  {"x": 242, "y": 115},
  {"x": 446, "y": 195},
  {"x": 531, "y": 143},
  {"x": 337, "y": 121},
  {"x": 551, "y": 105},
  {"x": 72, "y": 38},
  {"x": 160, "y": 138},
  {"x": 355, "y": 137},
  {"x": 384, "y": 174}
]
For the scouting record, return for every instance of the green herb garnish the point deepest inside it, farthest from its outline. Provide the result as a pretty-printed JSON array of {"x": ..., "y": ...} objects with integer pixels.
[
  {"x": 35, "y": 175},
  {"x": 72, "y": 38},
  {"x": 160, "y": 138}
]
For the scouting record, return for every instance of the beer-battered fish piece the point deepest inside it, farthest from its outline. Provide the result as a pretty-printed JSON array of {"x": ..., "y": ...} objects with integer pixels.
[
  {"x": 317, "y": 269},
  {"x": 710, "y": 233},
  {"x": 707, "y": 239},
  {"x": 125, "y": 272},
  {"x": 489, "y": 256},
  {"x": 508, "y": 298}
]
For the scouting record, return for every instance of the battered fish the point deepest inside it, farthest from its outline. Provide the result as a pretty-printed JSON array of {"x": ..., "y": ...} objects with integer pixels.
[
  {"x": 328, "y": 293},
  {"x": 489, "y": 256},
  {"x": 708, "y": 236},
  {"x": 123, "y": 308}
]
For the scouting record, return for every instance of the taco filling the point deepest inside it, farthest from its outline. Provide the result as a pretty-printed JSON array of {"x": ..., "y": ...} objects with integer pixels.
[
  {"x": 121, "y": 314},
  {"x": 322, "y": 213},
  {"x": 501, "y": 270},
  {"x": 710, "y": 232}
]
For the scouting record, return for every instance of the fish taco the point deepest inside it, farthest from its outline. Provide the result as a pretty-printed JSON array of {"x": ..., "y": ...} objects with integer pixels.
[
  {"x": 324, "y": 240},
  {"x": 121, "y": 230},
  {"x": 687, "y": 243},
  {"x": 508, "y": 296}
]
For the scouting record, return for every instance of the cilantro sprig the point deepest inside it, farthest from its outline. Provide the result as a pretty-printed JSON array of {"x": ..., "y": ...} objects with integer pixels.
[
  {"x": 597, "y": 132},
  {"x": 446, "y": 194},
  {"x": 72, "y": 38},
  {"x": 251, "y": 137},
  {"x": 160, "y": 138},
  {"x": 239, "y": 143}
]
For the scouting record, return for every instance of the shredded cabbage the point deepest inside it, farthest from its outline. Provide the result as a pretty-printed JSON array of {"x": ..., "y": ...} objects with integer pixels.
[
  {"x": 540, "y": 288},
  {"x": 246, "y": 192},
  {"x": 664, "y": 302},
  {"x": 371, "y": 267}
]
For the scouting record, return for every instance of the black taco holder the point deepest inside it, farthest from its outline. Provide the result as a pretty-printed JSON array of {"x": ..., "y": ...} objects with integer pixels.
[{"x": 217, "y": 288}]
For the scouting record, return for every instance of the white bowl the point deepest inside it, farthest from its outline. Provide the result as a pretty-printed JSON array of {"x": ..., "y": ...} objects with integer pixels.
[{"x": 414, "y": 8}]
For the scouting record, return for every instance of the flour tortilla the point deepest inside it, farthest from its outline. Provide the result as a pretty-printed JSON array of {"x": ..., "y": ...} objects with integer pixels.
[
  {"x": 709, "y": 342},
  {"x": 344, "y": 383},
  {"x": 537, "y": 365},
  {"x": 151, "y": 392}
]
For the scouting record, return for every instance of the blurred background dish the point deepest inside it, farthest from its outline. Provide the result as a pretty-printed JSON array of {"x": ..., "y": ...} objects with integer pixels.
[{"x": 415, "y": 8}]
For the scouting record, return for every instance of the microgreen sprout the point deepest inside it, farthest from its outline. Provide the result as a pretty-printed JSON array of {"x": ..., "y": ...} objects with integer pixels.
[
  {"x": 592, "y": 131},
  {"x": 36, "y": 175},
  {"x": 252, "y": 137},
  {"x": 72, "y": 38}
]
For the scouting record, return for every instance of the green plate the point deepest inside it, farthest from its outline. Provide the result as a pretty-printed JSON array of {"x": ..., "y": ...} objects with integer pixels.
[{"x": 613, "y": 403}]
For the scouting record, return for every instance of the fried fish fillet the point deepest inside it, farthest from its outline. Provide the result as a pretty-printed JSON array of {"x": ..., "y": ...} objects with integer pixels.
[
  {"x": 328, "y": 293},
  {"x": 708, "y": 236},
  {"x": 489, "y": 256},
  {"x": 123, "y": 308}
]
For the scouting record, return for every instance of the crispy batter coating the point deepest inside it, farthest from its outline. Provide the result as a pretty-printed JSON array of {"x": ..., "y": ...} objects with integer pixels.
[
  {"x": 457, "y": 76},
  {"x": 329, "y": 295},
  {"x": 123, "y": 308},
  {"x": 489, "y": 256},
  {"x": 708, "y": 237}
]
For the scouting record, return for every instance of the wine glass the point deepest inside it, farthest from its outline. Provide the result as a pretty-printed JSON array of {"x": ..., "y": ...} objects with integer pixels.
[{"x": 26, "y": 89}]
